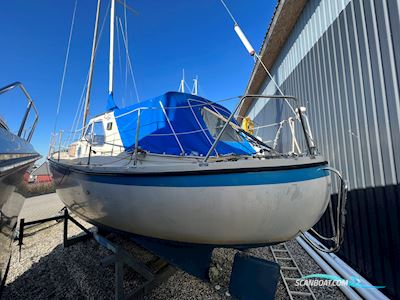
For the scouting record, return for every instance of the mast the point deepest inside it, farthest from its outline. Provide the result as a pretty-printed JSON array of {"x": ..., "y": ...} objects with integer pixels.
[
  {"x": 111, "y": 65},
  {"x": 89, "y": 86}
]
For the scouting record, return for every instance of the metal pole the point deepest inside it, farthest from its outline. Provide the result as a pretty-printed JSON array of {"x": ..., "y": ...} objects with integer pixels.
[
  {"x": 59, "y": 145},
  {"x": 234, "y": 112},
  {"x": 137, "y": 137},
  {"x": 65, "y": 236},
  {"x": 21, "y": 233},
  {"x": 21, "y": 128},
  {"x": 90, "y": 154},
  {"x": 309, "y": 148},
  {"x": 89, "y": 86},
  {"x": 223, "y": 129},
  {"x": 33, "y": 129},
  {"x": 182, "y": 89},
  {"x": 111, "y": 63}
]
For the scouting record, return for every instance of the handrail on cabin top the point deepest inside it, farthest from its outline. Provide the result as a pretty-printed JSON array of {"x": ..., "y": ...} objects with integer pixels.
[
  {"x": 311, "y": 149},
  {"x": 299, "y": 115}
]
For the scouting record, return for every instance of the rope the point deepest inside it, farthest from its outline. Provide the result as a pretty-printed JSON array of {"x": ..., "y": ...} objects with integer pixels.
[{"x": 65, "y": 65}]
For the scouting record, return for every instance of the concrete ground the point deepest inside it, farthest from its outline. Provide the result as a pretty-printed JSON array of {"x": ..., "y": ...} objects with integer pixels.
[
  {"x": 41, "y": 207},
  {"x": 46, "y": 270}
]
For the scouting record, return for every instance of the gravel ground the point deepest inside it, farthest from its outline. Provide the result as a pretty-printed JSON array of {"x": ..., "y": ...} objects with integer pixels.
[{"x": 46, "y": 270}]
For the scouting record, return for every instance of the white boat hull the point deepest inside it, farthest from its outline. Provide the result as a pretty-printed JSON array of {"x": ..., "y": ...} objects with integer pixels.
[{"x": 247, "y": 208}]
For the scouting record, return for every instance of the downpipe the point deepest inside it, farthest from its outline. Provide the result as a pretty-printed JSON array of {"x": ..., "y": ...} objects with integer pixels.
[{"x": 330, "y": 262}]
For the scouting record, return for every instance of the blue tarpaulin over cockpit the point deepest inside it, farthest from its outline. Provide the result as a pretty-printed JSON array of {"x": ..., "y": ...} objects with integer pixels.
[{"x": 195, "y": 128}]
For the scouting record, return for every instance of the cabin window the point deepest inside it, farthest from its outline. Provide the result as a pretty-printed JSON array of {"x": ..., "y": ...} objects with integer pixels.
[
  {"x": 109, "y": 125},
  {"x": 88, "y": 134},
  {"x": 98, "y": 134},
  {"x": 215, "y": 125}
]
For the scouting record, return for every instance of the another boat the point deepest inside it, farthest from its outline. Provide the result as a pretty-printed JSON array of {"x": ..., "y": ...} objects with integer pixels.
[{"x": 16, "y": 156}]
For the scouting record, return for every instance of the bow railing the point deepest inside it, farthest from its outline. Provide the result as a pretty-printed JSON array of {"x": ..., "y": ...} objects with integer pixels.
[{"x": 31, "y": 106}]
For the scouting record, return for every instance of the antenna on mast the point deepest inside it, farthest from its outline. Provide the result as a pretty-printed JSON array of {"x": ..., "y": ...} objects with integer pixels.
[
  {"x": 182, "y": 85},
  {"x": 195, "y": 85}
]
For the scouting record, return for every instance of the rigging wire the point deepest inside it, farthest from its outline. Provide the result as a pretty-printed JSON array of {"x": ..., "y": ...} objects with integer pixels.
[
  {"x": 257, "y": 57},
  {"x": 65, "y": 66},
  {"x": 80, "y": 105},
  {"x": 129, "y": 60},
  {"x": 126, "y": 6},
  {"x": 127, "y": 44},
  {"x": 253, "y": 53},
  {"x": 229, "y": 12},
  {"x": 120, "y": 63}
]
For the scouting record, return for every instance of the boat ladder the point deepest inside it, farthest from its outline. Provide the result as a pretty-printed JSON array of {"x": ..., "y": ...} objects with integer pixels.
[{"x": 290, "y": 272}]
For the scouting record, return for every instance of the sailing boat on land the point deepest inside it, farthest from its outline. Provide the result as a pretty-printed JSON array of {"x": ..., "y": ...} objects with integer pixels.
[{"x": 179, "y": 168}]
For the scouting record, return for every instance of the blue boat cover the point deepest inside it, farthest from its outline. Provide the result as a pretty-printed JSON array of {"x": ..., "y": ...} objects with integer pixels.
[{"x": 183, "y": 114}]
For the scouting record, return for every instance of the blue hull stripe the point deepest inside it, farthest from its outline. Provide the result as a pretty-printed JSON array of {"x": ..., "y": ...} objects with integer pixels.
[{"x": 235, "y": 179}]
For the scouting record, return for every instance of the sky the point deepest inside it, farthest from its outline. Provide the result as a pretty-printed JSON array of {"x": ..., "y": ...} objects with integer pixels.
[{"x": 163, "y": 38}]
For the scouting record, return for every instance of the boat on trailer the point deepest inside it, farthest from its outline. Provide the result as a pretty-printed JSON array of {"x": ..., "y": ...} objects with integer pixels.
[
  {"x": 17, "y": 155},
  {"x": 179, "y": 169}
]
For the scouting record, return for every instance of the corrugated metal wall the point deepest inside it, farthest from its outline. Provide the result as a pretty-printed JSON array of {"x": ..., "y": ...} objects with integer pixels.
[{"x": 343, "y": 61}]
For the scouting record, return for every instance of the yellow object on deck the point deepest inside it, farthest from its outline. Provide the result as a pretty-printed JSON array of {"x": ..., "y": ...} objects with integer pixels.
[{"x": 248, "y": 125}]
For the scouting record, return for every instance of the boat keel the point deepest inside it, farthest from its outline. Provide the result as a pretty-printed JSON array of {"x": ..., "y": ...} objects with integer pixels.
[{"x": 194, "y": 259}]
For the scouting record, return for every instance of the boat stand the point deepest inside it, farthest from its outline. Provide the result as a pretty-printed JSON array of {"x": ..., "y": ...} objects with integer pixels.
[
  {"x": 154, "y": 272},
  {"x": 251, "y": 278}
]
